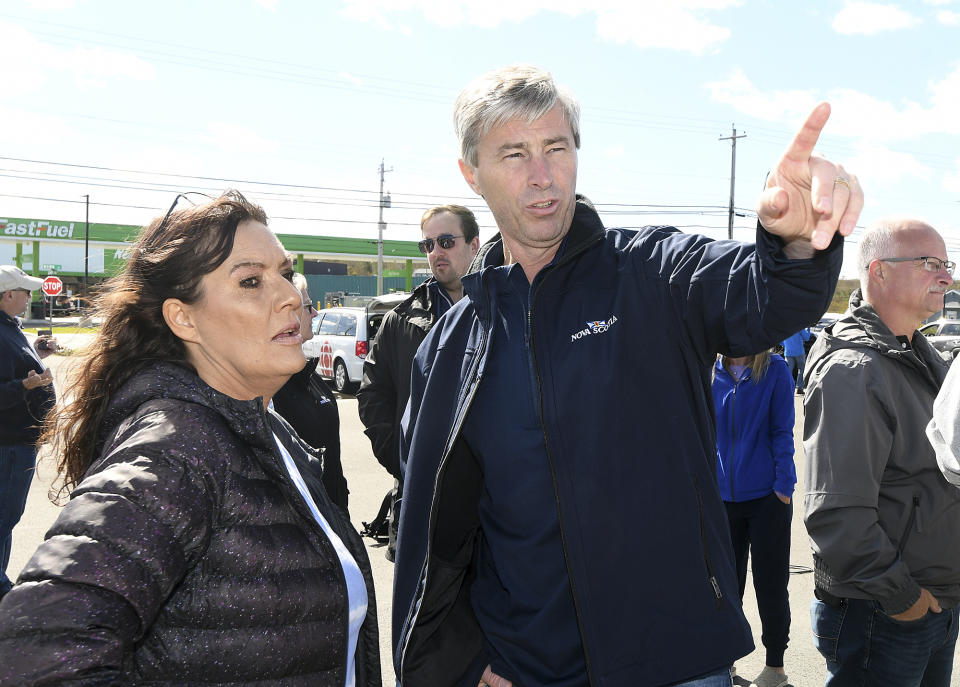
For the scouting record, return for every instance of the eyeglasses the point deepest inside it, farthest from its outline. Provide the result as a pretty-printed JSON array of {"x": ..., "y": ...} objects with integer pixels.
[
  {"x": 445, "y": 241},
  {"x": 930, "y": 264}
]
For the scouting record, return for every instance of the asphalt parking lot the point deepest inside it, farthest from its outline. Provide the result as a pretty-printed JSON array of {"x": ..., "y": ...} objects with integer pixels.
[{"x": 368, "y": 483}]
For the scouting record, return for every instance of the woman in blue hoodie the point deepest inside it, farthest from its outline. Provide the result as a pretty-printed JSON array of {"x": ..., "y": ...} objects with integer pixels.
[{"x": 753, "y": 398}]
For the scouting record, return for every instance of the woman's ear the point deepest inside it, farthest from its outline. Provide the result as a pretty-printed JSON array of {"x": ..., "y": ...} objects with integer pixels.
[{"x": 179, "y": 317}]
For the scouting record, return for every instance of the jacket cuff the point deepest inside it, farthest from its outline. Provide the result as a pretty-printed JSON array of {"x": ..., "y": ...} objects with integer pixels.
[
  {"x": 785, "y": 489},
  {"x": 902, "y": 600},
  {"x": 770, "y": 247}
]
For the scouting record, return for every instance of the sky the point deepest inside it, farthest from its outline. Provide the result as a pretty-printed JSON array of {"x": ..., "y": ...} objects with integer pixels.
[{"x": 297, "y": 102}]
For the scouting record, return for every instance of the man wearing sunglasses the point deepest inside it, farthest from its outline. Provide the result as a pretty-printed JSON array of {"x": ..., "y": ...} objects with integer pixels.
[
  {"x": 26, "y": 395},
  {"x": 450, "y": 241},
  {"x": 882, "y": 520},
  {"x": 562, "y": 523}
]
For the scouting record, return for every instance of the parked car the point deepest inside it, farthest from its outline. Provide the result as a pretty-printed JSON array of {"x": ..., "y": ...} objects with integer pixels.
[
  {"x": 825, "y": 321},
  {"x": 342, "y": 338},
  {"x": 944, "y": 335}
]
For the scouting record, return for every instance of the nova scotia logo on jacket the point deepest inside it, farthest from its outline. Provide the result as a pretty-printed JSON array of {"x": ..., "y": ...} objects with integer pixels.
[{"x": 594, "y": 327}]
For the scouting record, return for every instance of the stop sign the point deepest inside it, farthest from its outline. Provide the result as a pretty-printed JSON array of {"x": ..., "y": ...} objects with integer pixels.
[{"x": 52, "y": 286}]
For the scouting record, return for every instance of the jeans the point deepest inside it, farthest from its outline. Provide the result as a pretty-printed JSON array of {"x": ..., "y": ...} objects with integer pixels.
[
  {"x": 16, "y": 472},
  {"x": 796, "y": 364},
  {"x": 761, "y": 527},
  {"x": 721, "y": 678},
  {"x": 864, "y": 646}
]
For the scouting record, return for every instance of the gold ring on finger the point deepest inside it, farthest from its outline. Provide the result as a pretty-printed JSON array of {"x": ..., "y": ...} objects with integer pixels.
[{"x": 841, "y": 181}]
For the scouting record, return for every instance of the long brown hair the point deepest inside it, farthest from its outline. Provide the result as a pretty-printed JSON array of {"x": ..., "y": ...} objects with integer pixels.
[{"x": 169, "y": 259}]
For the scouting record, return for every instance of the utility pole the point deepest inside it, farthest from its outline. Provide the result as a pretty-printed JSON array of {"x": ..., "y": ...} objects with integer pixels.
[
  {"x": 381, "y": 225},
  {"x": 86, "y": 253},
  {"x": 733, "y": 172}
]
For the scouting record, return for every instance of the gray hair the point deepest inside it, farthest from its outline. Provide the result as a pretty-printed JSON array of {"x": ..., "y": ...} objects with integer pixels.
[
  {"x": 878, "y": 241},
  {"x": 300, "y": 282},
  {"x": 882, "y": 240},
  {"x": 515, "y": 92}
]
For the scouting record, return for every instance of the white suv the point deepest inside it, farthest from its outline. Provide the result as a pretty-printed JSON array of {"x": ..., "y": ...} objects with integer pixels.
[{"x": 342, "y": 337}]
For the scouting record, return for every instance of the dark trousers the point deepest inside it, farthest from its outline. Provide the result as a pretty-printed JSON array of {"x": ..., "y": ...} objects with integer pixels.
[
  {"x": 760, "y": 529},
  {"x": 863, "y": 646},
  {"x": 16, "y": 472}
]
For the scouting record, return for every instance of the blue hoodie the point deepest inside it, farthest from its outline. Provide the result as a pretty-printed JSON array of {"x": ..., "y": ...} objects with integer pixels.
[{"x": 754, "y": 432}]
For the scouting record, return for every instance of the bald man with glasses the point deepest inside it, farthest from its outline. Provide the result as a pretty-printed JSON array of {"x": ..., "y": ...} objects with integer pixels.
[{"x": 882, "y": 519}]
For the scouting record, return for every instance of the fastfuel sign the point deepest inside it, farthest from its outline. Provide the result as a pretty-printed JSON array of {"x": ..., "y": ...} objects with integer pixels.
[{"x": 37, "y": 229}]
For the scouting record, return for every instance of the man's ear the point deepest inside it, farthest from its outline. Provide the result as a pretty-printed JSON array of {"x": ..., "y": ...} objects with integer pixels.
[
  {"x": 469, "y": 174},
  {"x": 876, "y": 271},
  {"x": 179, "y": 317},
  {"x": 475, "y": 245}
]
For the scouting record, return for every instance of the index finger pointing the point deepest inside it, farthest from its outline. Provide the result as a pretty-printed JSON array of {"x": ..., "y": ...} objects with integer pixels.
[{"x": 806, "y": 139}]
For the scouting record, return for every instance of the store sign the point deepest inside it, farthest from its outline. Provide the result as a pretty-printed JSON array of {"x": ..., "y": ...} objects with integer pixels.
[{"x": 37, "y": 229}]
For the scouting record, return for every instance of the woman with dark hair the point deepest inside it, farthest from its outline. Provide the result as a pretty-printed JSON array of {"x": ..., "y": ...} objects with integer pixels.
[
  {"x": 310, "y": 406},
  {"x": 198, "y": 545},
  {"x": 753, "y": 398}
]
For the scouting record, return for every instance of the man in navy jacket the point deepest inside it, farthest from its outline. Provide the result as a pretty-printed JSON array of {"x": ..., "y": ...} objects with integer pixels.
[
  {"x": 561, "y": 521},
  {"x": 26, "y": 394}
]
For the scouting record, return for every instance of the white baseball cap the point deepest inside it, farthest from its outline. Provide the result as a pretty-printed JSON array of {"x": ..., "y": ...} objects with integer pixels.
[{"x": 12, "y": 277}]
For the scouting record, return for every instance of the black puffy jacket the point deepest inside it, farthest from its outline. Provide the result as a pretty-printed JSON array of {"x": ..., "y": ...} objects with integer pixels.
[{"x": 187, "y": 556}]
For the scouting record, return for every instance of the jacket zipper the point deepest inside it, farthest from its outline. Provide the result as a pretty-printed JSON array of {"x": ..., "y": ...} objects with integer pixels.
[
  {"x": 703, "y": 543},
  {"x": 556, "y": 486},
  {"x": 733, "y": 436},
  {"x": 913, "y": 519},
  {"x": 407, "y": 629},
  {"x": 474, "y": 383}
]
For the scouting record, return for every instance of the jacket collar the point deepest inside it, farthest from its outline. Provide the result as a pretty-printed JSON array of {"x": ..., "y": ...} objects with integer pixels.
[
  {"x": 586, "y": 228},
  {"x": 861, "y": 327},
  {"x": 166, "y": 380},
  {"x": 9, "y": 320}
]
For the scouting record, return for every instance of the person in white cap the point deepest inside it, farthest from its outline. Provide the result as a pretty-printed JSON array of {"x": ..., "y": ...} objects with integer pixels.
[{"x": 26, "y": 394}]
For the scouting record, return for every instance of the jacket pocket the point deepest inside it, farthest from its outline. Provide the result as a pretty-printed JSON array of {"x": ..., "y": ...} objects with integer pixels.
[
  {"x": 912, "y": 523},
  {"x": 711, "y": 577}
]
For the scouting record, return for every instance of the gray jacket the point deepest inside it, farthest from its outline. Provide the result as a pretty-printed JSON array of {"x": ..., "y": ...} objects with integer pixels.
[{"x": 882, "y": 520}]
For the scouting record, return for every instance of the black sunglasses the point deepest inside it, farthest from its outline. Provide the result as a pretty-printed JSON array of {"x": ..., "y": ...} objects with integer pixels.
[{"x": 445, "y": 241}]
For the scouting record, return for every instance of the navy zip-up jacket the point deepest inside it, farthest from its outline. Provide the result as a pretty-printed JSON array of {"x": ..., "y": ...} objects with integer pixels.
[
  {"x": 755, "y": 432},
  {"x": 21, "y": 410},
  {"x": 624, "y": 329}
]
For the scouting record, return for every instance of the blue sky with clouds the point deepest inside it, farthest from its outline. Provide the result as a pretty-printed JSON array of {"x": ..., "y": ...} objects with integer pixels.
[{"x": 297, "y": 102}]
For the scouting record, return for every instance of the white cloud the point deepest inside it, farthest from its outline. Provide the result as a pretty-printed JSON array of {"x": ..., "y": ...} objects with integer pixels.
[
  {"x": 740, "y": 92},
  {"x": 231, "y": 137},
  {"x": 676, "y": 25},
  {"x": 937, "y": 3},
  {"x": 29, "y": 63},
  {"x": 350, "y": 78},
  {"x": 268, "y": 4},
  {"x": 855, "y": 114},
  {"x": 870, "y": 18},
  {"x": 875, "y": 164},
  {"x": 948, "y": 18}
]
